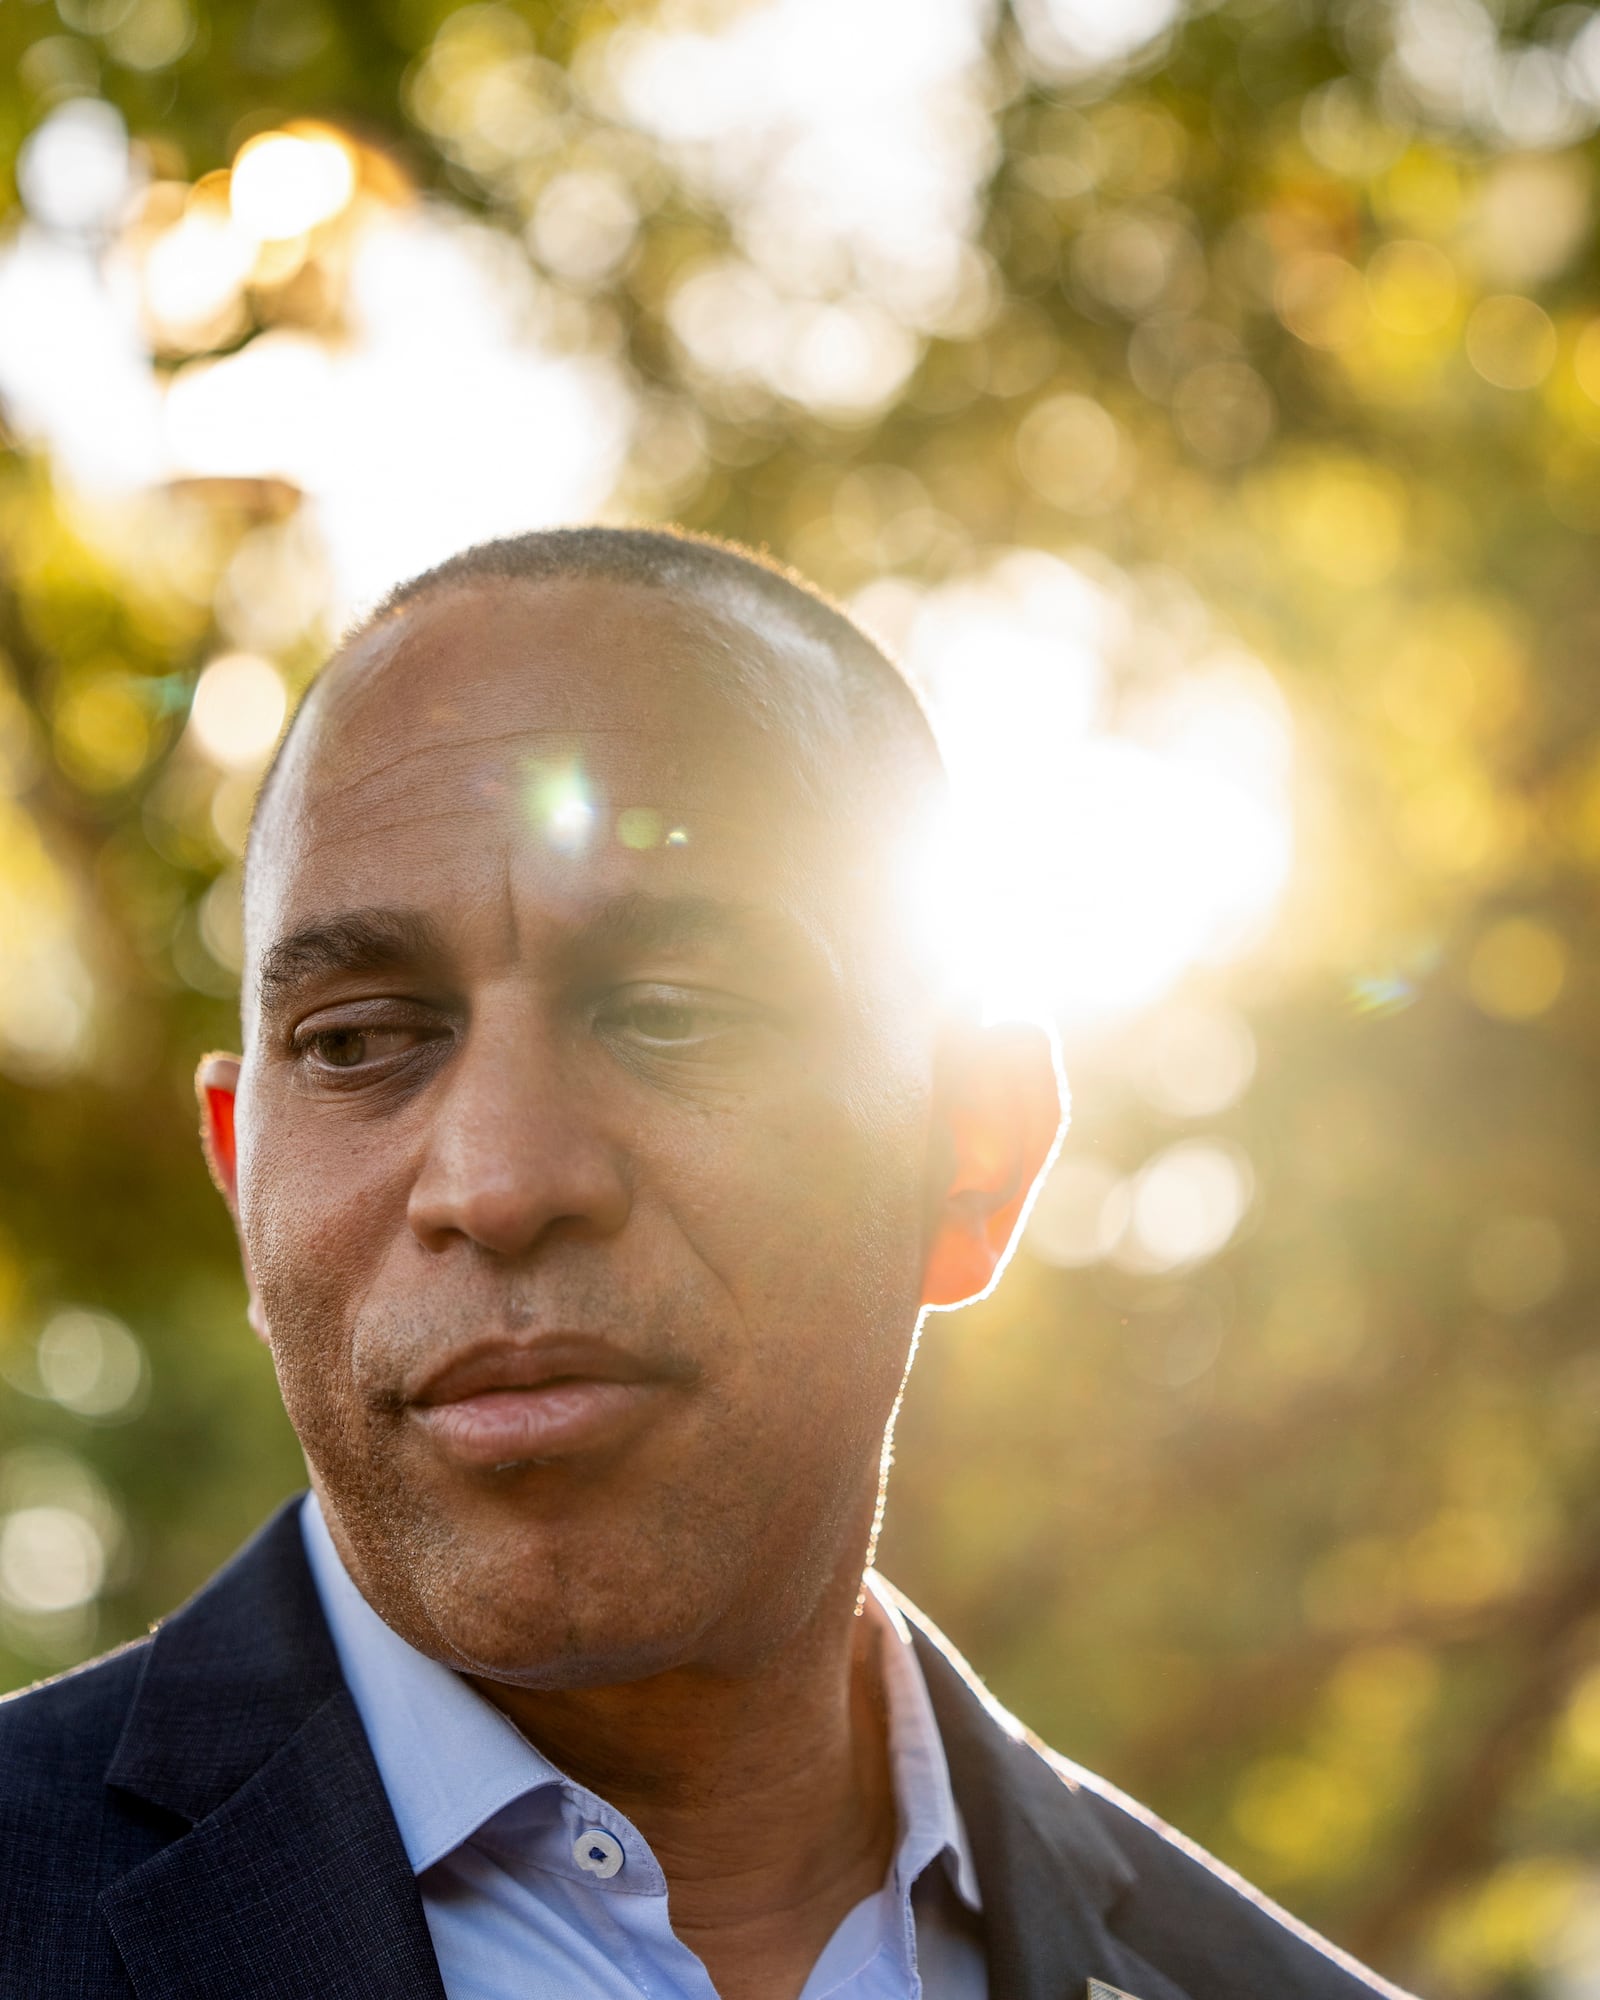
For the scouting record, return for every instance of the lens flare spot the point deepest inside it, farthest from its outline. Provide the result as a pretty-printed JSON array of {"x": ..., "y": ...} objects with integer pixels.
[
  {"x": 1517, "y": 969},
  {"x": 639, "y": 828},
  {"x": 559, "y": 804}
]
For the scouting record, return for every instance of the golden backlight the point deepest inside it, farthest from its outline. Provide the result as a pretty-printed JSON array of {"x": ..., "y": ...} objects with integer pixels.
[{"x": 1120, "y": 811}]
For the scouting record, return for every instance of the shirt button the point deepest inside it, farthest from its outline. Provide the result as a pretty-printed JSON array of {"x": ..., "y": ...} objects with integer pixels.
[{"x": 597, "y": 1853}]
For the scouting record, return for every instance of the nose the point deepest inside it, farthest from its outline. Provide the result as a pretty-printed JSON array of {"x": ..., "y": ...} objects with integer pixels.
[{"x": 516, "y": 1150}]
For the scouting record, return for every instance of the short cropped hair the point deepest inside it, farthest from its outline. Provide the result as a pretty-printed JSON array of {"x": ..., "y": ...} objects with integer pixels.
[
  {"x": 682, "y": 560},
  {"x": 850, "y": 681}
]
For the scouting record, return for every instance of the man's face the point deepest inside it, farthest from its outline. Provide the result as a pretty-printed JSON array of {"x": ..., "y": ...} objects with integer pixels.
[{"x": 583, "y": 1138}]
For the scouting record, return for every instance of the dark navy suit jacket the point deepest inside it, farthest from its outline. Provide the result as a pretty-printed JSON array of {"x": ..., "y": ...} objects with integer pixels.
[{"x": 198, "y": 1817}]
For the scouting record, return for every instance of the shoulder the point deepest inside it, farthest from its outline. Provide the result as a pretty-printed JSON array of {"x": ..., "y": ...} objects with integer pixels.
[
  {"x": 244, "y": 1659},
  {"x": 1164, "y": 1911},
  {"x": 59, "y": 1736},
  {"x": 1206, "y": 1927},
  {"x": 57, "y": 1743},
  {"x": 63, "y": 1832}
]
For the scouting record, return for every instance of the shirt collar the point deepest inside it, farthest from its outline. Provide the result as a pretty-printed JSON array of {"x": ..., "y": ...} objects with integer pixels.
[
  {"x": 925, "y": 1802},
  {"x": 450, "y": 1761}
]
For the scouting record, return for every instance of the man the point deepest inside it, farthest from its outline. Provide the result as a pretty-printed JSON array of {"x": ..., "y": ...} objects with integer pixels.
[{"x": 599, "y": 1137}]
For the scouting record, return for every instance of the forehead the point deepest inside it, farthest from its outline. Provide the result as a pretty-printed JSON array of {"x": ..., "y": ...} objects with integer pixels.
[
  {"x": 563, "y": 738},
  {"x": 674, "y": 682}
]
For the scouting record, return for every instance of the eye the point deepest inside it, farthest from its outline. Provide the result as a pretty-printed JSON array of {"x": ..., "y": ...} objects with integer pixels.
[
  {"x": 340, "y": 1048},
  {"x": 345, "y": 1050},
  {"x": 667, "y": 1021}
]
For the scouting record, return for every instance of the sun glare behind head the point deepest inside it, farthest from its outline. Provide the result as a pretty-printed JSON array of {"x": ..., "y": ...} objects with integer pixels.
[{"x": 1094, "y": 850}]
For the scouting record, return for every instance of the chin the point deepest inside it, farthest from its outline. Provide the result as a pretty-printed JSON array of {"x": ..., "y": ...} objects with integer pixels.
[
  {"x": 593, "y": 1587},
  {"x": 570, "y": 1639},
  {"x": 553, "y": 1609}
]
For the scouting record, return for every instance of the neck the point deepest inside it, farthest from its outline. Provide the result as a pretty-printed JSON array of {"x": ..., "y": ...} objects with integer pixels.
[{"x": 766, "y": 1798}]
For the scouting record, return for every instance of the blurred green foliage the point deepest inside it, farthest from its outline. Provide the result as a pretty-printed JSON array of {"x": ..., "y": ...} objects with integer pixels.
[{"x": 1297, "y": 301}]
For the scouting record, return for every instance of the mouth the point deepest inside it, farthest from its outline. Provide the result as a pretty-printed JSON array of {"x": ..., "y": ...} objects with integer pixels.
[{"x": 507, "y": 1403}]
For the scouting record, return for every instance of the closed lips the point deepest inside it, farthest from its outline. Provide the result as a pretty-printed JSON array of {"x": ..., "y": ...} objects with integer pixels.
[{"x": 517, "y": 1403}]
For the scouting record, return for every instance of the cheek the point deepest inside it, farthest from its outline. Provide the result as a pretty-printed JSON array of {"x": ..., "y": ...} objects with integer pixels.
[
  {"x": 811, "y": 1218},
  {"x": 317, "y": 1211}
]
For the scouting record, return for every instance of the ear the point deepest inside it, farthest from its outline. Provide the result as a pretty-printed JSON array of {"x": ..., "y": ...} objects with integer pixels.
[
  {"x": 216, "y": 1084},
  {"x": 1000, "y": 1115}
]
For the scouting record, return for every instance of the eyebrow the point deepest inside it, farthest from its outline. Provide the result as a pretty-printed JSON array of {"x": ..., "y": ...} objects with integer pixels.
[
  {"x": 371, "y": 940},
  {"x": 377, "y": 940},
  {"x": 646, "y": 922}
]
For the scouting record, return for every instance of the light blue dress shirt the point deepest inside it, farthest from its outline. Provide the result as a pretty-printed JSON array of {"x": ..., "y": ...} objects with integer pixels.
[{"x": 533, "y": 1886}]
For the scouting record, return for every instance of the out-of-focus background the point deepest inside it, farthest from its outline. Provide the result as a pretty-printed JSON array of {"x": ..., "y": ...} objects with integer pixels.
[{"x": 1206, "y": 401}]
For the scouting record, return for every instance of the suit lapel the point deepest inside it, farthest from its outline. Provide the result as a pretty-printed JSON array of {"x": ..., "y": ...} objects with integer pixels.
[
  {"x": 292, "y": 1878},
  {"x": 1048, "y": 1873},
  {"x": 298, "y": 1884}
]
